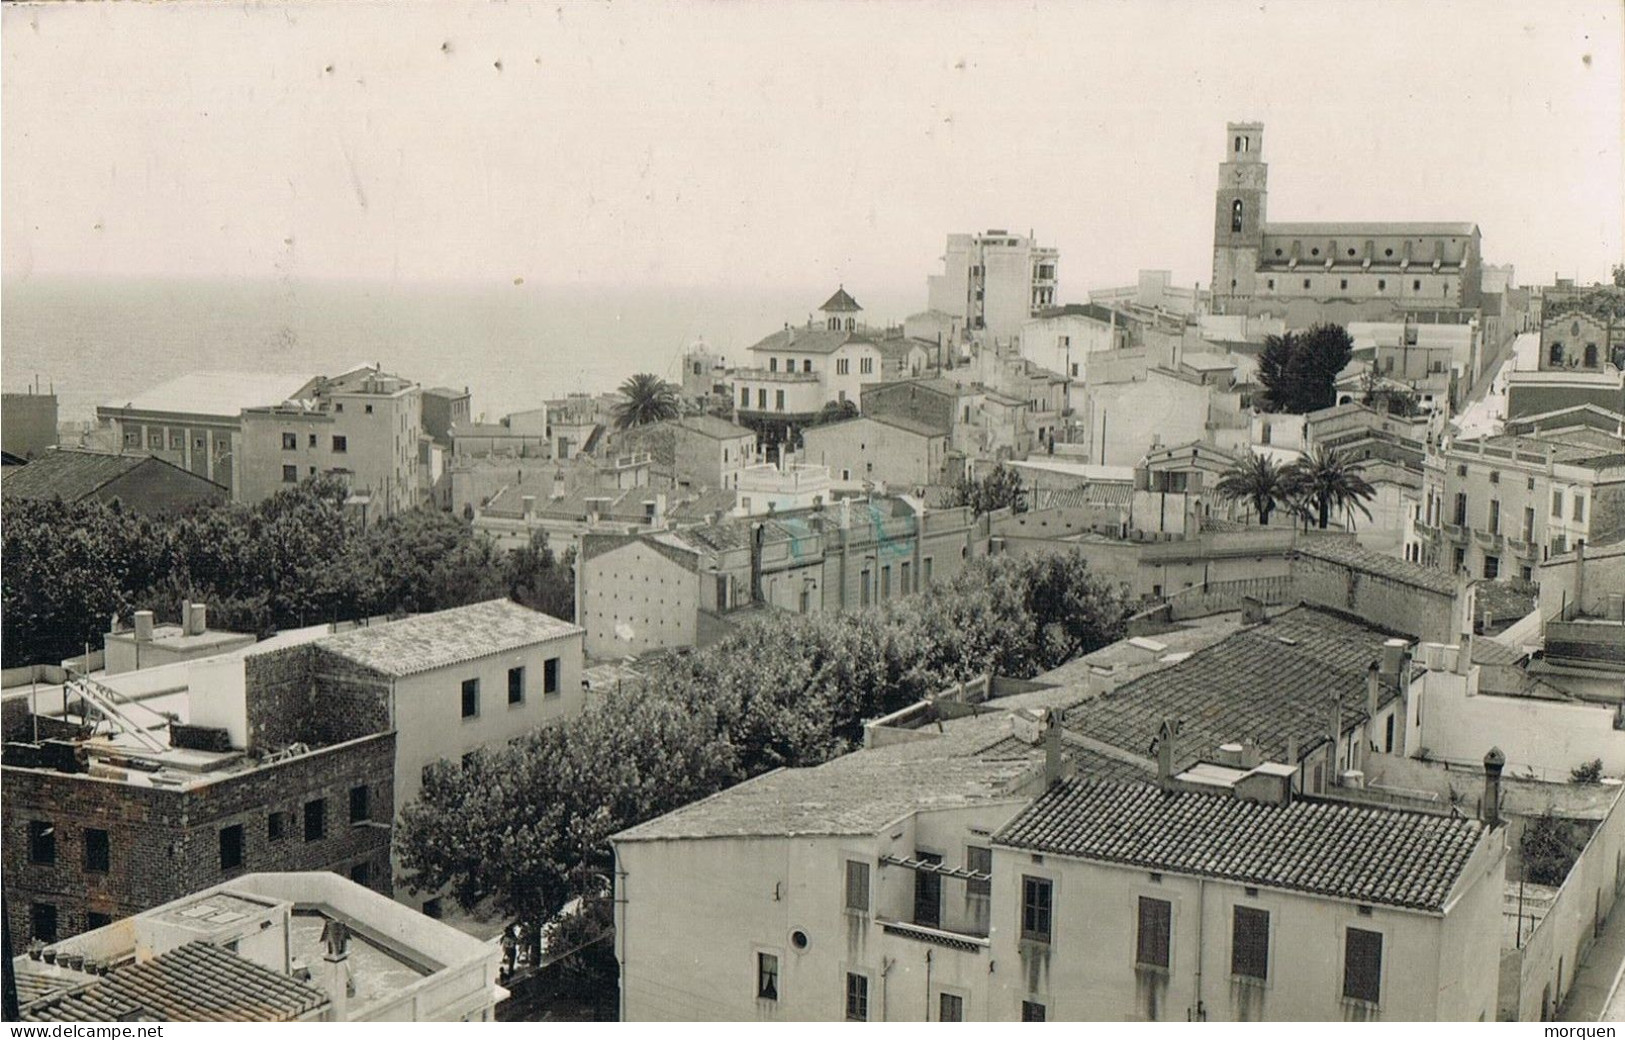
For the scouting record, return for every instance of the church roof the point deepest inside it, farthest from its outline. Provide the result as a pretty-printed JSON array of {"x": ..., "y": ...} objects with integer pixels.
[
  {"x": 841, "y": 303},
  {"x": 1375, "y": 228}
]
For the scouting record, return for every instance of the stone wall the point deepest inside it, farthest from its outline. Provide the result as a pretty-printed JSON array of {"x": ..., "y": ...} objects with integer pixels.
[{"x": 165, "y": 843}]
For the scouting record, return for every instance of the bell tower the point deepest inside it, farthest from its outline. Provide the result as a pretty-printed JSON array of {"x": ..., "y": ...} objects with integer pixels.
[{"x": 1238, "y": 219}]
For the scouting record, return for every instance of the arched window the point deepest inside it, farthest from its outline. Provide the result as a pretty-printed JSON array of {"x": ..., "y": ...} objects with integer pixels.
[
  {"x": 1235, "y": 215},
  {"x": 1264, "y": 434},
  {"x": 1591, "y": 355},
  {"x": 1555, "y": 355}
]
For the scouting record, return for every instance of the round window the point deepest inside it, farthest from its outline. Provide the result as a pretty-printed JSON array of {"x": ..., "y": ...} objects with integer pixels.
[
  {"x": 1351, "y": 252},
  {"x": 1387, "y": 252},
  {"x": 1315, "y": 251},
  {"x": 798, "y": 939}
]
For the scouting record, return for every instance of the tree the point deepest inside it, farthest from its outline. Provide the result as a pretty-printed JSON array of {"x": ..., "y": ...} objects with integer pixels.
[
  {"x": 1396, "y": 401},
  {"x": 834, "y": 412},
  {"x": 1000, "y": 489},
  {"x": 1256, "y": 479},
  {"x": 1299, "y": 369},
  {"x": 1619, "y": 276},
  {"x": 1326, "y": 480},
  {"x": 649, "y": 399},
  {"x": 1549, "y": 848},
  {"x": 1587, "y": 772},
  {"x": 541, "y": 581}
]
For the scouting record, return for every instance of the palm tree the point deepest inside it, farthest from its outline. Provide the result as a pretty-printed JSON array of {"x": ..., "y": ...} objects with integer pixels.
[
  {"x": 1325, "y": 480},
  {"x": 649, "y": 399},
  {"x": 1254, "y": 478}
]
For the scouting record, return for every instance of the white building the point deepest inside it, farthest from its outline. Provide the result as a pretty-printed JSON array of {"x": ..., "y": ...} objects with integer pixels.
[{"x": 993, "y": 281}]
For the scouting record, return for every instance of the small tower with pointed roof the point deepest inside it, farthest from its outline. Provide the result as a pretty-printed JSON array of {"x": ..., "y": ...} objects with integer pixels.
[{"x": 840, "y": 311}]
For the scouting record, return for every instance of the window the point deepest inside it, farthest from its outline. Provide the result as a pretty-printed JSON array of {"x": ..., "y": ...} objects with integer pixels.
[
  {"x": 368, "y": 409},
  {"x": 1382, "y": 283},
  {"x": 767, "y": 977},
  {"x": 341, "y": 444},
  {"x": 761, "y": 399},
  {"x": 778, "y": 400},
  {"x": 434, "y": 909},
  {"x": 772, "y": 364},
  {"x": 132, "y": 439},
  {"x": 43, "y": 921},
  {"x": 290, "y": 442},
  {"x": 927, "y": 892},
  {"x": 806, "y": 364},
  {"x": 550, "y": 677},
  {"x": 744, "y": 397},
  {"x": 316, "y": 819},
  {"x": 1236, "y": 212},
  {"x": 231, "y": 847},
  {"x": 1156, "y": 926},
  {"x": 277, "y": 826},
  {"x": 361, "y": 873},
  {"x": 1032, "y": 1011},
  {"x": 338, "y": 407},
  {"x": 1250, "y": 943},
  {"x": 863, "y": 588},
  {"x": 978, "y": 893},
  {"x": 360, "y": 811},
  {"x": 1362, "y": 965},
  {"x": 1306, "y": 283},
  {"x": 1388, "y": 747},
  {"x": 155, "y": 438},
  {"x": 98, "y": 852},
  {"x": 1555, "y": 354},
  {"x": 1036, "y": 902},
  {"x": 312, "y": 441},
  {"x": 950, "y": 1007},
  {"x": 1272, "y": 283},
  {"x": 1529, "y": 523},
  {"x": 1557, "y": 504},
  {"x": 471, "y": 698},
  {"x": 1495, "y": 516},
  {"x": 903, "y": 576},
  {"x": 516, "y": 685},
  {"x": 1492, "y": 567},
  {"x": 1343, "y": 283},
  {"x": 290, "y": 474},
  {"x": 857, "y": 885},
  {"x": 1579, "y": 506},
  {"x": 1591, "y": 355},
  {"x": 1416, "y": 285},
  {"x": 1461, "y": 507},
  {"x": 885, "y": 581},
  {"x": 41, "y": 842},
  {"x": 843, "y": 367},
  {"x": 93, "y": 920},
  {"x": 857, "y": 997},
  {"x": 925, "y": 565},
  {"x": 1461, "y": 559},
  {"x": 866, "y": 366}
]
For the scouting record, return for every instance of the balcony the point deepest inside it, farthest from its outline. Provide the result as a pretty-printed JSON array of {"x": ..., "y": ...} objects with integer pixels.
[
  {"x": 763, "y": 375},
  {"x": 935, "y": 936},
  {"x": 1454, "y": 532},
  {"x": 1487, "y": 539}
]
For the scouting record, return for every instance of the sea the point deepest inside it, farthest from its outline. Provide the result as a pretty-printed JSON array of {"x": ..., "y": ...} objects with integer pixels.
[{"x": 102, "y": 341}]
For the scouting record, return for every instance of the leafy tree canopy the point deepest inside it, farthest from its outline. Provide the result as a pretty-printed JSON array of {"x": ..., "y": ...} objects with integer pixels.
[
  {"x": 1000, "y": 489},
  {"x": 1299, "y": 369}
]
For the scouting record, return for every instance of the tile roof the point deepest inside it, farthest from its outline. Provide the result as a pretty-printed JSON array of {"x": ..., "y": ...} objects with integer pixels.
[
  {"x": 72, "y": 475},
  {"x": 712, "y": 426},
  {"x": 857, "y": 793},
  {"x": 840, "y": 303},
  {"x": 802, "y": 340},
  {"x": 1089, "y": 495},
  {"x": 197, "y": 982},
  {"x": 223, "y": 394},
  {"x": 1269, "y": 683},
  {"x": 446, "y": 637},
  {"x": 1365, "y": 854},
  {"x": 1369, "y": 560}
]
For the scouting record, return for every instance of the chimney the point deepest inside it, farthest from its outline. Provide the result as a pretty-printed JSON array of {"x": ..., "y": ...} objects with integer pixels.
[
  {"x": 186, "y": 618},
  {"x": 1494, "y": 762},
  {"x": 1579, "y": 578},
  {"x": 1334, "y": 718},
  {"x": 143, "y": 626},
  {"x": 1052, "y": 748},
  {"x": 1373, "y": 689},
  {"x": 336, "y": 967},
  {"x": 200, "y": 618},
  {"x": 1252, "y": 611},
  {"x": 1165, "y": 751},
  {"x": 1393, "y": 656}
]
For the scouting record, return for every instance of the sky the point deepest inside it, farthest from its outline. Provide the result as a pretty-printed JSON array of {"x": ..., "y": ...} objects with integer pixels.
[{"x": 725, "y": 144}]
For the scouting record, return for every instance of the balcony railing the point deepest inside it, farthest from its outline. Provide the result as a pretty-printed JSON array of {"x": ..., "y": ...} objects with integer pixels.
[{"x": 763, "y": 375}]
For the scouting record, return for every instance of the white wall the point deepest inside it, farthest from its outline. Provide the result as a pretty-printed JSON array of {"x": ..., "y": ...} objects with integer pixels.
[{"x": 1457, "y": 724}]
